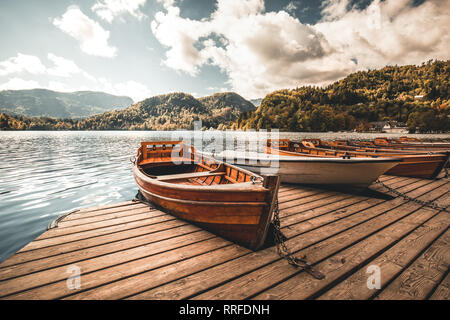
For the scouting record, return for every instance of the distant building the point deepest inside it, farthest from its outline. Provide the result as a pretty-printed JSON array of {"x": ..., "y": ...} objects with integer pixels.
[
  {"x": 419, "y": 97},
  {"x": 389, "y": 127},
  {"x": 378, "y": 126}
]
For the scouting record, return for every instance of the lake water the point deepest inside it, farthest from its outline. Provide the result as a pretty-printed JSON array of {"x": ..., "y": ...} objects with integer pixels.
[{"x": 44, "y": 174}]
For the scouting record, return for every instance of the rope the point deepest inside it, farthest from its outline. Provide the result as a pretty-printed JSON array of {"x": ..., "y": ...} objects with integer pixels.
[{"x": 54, "y": 223}]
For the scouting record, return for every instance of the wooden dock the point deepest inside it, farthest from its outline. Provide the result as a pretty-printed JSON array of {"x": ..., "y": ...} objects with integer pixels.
[{"x": 131, "y": 251}]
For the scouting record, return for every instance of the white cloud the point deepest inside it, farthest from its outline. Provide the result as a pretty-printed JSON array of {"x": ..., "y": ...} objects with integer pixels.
[
  {"x": 63, "y": 67},
  {"x": 180, "y": 35},
  {"x": 166, "y": 3},
  {"x": 92, "y": 37},
  {"x": 21, "y": 63},
  {"x": 264, "y": 51},
  {"x": 393, "y": 32},
  {"x": 19, "y": 84},
  {"x": 291, "y": 7},
  {"x": 135, "y": 90},
  {"x": 109, "y": 9}
]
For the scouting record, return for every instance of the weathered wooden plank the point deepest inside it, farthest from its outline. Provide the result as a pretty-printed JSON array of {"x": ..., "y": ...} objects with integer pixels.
[
  {"x": 303, "y": 286},
  {"x": 417, "y": 281},
  {"x": 294, "y": 190},
  {"x": 95, "y": 233},
  {"x": 391, "y": 262},
  {"x": 110, "y": 214},
  {"x": 140, "y": 214},
  {"x": 361, "y": 225},
  {"x": 301, "y": 201},
  {"x": 130, "y": 270},
  {"x": 153, "y": 278},
  {"x": 292, "y": 207},
  {"x": 103, "y": 207},
  {"x": 318, "y": 217},
  {"x": 402, "y": 188},
  {"x": 123, "y": 206},
  {"x": 64, "y": 223},
  {"x": 186, "y": 242},
  {"x": 126, "y": 258},
  {"x": 442, "y": 292},
  {"x": 92, "y": 252},
  {"x": 403, "y": 184},
  {"x": 80, "y": 245},
  {"x": 298, "y": 195},
  {"x": 221, "y": 275}
]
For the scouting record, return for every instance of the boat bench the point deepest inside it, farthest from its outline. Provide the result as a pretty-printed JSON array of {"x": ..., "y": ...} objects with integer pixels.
[{"x": 189, "y": 175}]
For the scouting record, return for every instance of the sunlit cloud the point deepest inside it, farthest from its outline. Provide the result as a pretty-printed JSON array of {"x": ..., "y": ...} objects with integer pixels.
[
  {"x": 90, "y": 34},
  {"x": 264, "y": 51},
  {"x": 21, "y": 63},
  {"x": 110, "y": 9},
  {"x": 19, "y": 84}
]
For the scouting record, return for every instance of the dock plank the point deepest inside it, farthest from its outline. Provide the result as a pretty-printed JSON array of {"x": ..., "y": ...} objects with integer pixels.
[
  {"x": 442, "y": 292},
  {"x": 236, "y": 270},
  {"x": 278, "y": 271},
  {"x": 38, "y": 279},
  {"x": 130, "y": 250},
  {"x": 417, "y": 281},
  {"x": 391, "y": 262}
]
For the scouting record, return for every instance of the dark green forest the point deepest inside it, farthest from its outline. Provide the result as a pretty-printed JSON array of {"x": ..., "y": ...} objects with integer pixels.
[{"x": 415, "y": 95}]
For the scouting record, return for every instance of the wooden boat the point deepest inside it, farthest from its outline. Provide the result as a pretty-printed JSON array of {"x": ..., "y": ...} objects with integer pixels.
[
  {"x": 226, "y": 200},
  {"x": 363, "y": 146},
  {"x": 370, "y": 147},
  {"x": 426, "y": 166},
  {"x": 408, "y": 142},
  {"x": 323, "y": 171}
]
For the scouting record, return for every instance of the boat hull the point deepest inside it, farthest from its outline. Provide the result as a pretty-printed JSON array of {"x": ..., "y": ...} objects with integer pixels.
[
  {"x": 335, "y": 174},
  {"x": 240, "y": 212},
  {"x": 318, "y": 171},
  {"x": 426, "y": 166}
]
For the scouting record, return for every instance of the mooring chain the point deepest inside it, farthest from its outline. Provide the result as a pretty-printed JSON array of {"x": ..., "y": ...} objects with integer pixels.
[
  {"x": 284, "y": 251},
  {"x": 140, "y": 198},
  {"x": 430, "y": 204}
]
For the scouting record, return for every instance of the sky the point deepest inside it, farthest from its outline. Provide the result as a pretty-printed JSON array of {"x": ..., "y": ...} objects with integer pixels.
[{"x": 142, "y": 48}]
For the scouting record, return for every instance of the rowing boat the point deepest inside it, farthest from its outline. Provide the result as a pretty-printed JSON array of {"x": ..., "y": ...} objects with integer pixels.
[
  {"x": 323, "y": 171},
  {"x": 226, "y": 200},
  {"x": 426, "y": 166},
  {"x": 404, "y": 144},
  {"x": 407, "y": 142}
]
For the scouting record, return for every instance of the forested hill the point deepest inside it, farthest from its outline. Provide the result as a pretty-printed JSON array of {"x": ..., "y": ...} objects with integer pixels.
[
  {"x": 164, "y": 112},
  {"x": 42, "y": 102},
  {"x": 415, "y": 95}
]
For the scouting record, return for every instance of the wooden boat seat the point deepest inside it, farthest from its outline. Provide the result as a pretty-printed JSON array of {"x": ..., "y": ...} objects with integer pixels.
[
  {"x": 189, "y": 175},
  {"x": 168, "y": 161}
]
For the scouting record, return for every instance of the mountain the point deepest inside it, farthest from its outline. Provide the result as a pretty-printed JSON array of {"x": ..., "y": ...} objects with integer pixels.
[
  {"x": 42, "y": 102},
  {"x": 416, "y": 95},
  {"x": 219, "y": 101},
  {"x": 164, "y": 112}
]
